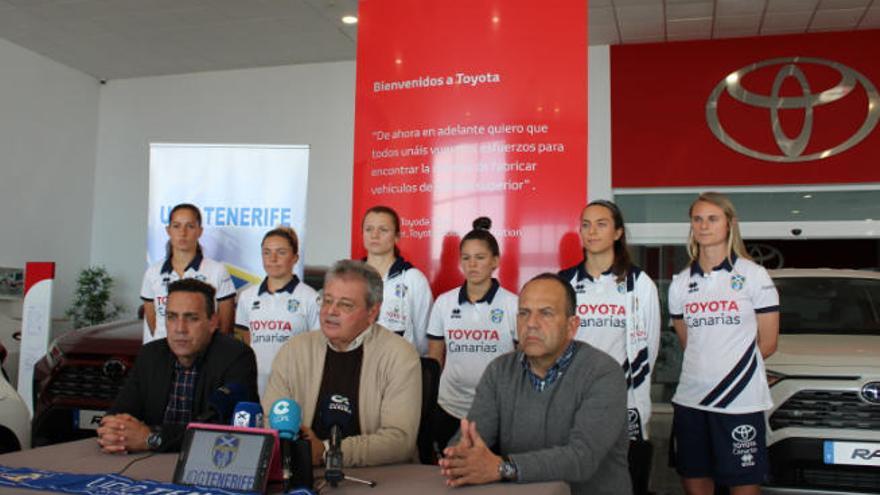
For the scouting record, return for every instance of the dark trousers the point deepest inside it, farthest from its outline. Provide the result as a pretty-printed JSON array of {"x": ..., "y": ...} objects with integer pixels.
[
  {"x": 640, "y": 457},
  {"x": 443, "y": 427}
]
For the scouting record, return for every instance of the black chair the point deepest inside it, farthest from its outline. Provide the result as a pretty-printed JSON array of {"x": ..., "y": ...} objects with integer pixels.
[{"x": 430, "y": 386}]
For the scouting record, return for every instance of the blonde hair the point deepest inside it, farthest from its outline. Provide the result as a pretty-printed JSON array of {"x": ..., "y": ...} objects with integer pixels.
[{"x": 735, "y": 242}]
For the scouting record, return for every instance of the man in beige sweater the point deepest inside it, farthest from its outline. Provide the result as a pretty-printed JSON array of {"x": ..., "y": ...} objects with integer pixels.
[{"x": 353, "y": 357}]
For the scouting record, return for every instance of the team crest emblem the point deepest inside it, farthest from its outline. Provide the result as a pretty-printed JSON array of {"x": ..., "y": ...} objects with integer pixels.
[
  {"x": 400, "y": 291},
  {"x": 224, "y": 451},
  {"x": 737, "y": 282},
  {"x": 497, "y": 315},
  {"x": 293, "y": 305},
  {"x": 621, "y": 287}
]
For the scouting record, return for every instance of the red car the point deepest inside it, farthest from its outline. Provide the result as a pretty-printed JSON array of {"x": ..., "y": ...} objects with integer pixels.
[{"x": 78, "y": 379}]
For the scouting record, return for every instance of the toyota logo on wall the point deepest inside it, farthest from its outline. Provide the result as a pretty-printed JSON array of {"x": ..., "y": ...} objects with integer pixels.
[{"x": 791, "y": 149}]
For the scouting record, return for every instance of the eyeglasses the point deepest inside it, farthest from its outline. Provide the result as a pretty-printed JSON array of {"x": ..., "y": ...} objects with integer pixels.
[{"x": 344, "y": 305}]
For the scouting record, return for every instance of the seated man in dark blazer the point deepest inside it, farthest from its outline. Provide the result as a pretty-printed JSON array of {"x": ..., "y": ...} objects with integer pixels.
[{"x": 173, "y": 378}]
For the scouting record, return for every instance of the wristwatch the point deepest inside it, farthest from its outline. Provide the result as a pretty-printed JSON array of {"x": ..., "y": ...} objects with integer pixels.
[
  {"x": 154, "y": 440},
  {"x": 507, "y": 469}
]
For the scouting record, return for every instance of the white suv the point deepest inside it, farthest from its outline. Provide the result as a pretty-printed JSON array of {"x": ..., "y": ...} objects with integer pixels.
[
  {"x": 15, "y": 420},
  {"x": 824, "y": 429}
]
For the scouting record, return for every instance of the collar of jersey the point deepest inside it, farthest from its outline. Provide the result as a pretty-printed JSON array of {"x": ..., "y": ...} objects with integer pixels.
[
  {"x": 399, "y": 266},
  {"x": 195, "y": 264},
  {"x": 264, "y": 287},
  {"x": 727, "y": 264},
  {"x": 487, "y": 297},
  {"x": 583, "y": 274}
]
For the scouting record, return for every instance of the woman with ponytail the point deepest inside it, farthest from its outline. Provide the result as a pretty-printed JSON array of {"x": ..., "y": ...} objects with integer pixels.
[
  {"x": 469, "y": 327},
  {"x": 184, "y": 259},
  {"x": 407, "y": 297},
  {"x": 620, "y": 315}
]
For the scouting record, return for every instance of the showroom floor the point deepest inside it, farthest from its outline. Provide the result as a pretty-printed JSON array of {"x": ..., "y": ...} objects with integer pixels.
[{"x": 664, "y": 480}]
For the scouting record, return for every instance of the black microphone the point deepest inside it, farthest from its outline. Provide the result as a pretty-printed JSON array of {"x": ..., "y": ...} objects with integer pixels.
[
  {"x": 336, "y": 416},
  {"x": 222, "y": 402}
]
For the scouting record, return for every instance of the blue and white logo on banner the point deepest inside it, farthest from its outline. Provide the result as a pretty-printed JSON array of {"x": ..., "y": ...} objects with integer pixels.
[{"x": 243, "y": 191}]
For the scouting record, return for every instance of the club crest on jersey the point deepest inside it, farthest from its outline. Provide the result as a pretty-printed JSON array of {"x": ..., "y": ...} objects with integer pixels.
[
  {"x": 224, "y": 451},
  {"x": 255, "y": 305},
  {"x": 621, "y": 287},
  {"x": 737, "y": 281},
  {"x": 693, "y": 287},
  {"x": 456, "y": 313},
  {"x": 496, "y": 315},
  {"x": 400, "y": 291},
  {"x": 293, "y": 305}
]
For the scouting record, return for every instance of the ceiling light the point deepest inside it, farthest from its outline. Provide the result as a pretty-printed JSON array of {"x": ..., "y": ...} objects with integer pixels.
[
  {"x": 349, "y": 19},
  {"x": 807, "y": 196}
]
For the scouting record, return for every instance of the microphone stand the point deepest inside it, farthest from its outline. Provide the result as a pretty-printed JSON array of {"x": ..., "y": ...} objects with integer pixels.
[{"x": 333, "y": 474}]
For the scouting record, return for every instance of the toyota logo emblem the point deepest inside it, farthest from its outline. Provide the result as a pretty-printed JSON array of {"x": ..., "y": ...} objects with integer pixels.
[
  {"x": 792, "y": 149},
  {"x": 743, "y": 433},
  {"x": 766, "y": 255},
  {"x": 114, "y": 369},
  {"x": 871, "y": 392},
  {"x": 633, "y": 416}
]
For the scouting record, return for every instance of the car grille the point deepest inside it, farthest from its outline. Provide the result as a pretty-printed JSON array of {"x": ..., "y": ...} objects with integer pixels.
[
  {"x": 867, "y": 479},
  {"x": 85, "y": 382},
  {"x": 826, "y": 409}
]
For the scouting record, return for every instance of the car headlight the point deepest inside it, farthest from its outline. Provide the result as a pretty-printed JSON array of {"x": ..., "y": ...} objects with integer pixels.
[
  {"x": 54, "y": 356},
  {"x": 773, "y": 377}
]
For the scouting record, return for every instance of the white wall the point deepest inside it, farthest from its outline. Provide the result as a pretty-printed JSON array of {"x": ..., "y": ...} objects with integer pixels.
[
  {"x": 48, "y": 126},
  {"x": 302, "y": 104}
]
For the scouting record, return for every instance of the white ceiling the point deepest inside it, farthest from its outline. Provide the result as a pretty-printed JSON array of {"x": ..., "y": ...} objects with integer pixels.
[{"x": 113, "y": 39}]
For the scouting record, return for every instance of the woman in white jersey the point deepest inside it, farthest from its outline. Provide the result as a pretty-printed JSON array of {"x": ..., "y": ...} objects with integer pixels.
[
  {"x": 184, "y": 259},
  {"x": 469, "y": 327},
  {"x": 620, "y": 315},
  {"x": 725, "y": 310},
  {"x": 278, "y": 308},
  {"x": 407, "y": 297}
]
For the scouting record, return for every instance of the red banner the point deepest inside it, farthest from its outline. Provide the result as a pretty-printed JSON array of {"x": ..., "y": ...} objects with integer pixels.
[
  {"x": 467, "y": 108},
  {"x": 756, "y": 111}
]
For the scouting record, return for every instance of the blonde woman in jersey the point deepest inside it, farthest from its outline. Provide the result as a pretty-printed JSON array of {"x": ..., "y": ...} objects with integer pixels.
[
  {"x": 619, "y": 314},
  {"x": 280, "y": 307},
  {"x": 725, "y": 310},
  {"x": 184, "y": 259},
  {"x": 407, "y": 296},
  {"x": 469, "y": 327}
]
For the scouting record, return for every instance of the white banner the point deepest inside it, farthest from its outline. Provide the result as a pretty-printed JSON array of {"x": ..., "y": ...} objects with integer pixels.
[{"x": 243, "y": 192}]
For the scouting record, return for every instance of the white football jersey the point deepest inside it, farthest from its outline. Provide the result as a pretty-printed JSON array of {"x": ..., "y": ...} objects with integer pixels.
[
  {"x": 406, "y": 303},
  {"x": 474, "y": 334},
  {"x": 273, "y": 318},
  {"x": 722, "y": 369},
  {"x": 157, "y": 277}
]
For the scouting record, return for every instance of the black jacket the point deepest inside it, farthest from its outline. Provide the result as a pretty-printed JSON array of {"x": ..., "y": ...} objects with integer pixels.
[{"x": 148, "y": 386}]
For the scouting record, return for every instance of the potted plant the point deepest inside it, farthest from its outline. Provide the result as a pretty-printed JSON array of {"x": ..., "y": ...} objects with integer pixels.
[{"x": 91, "y": 302}]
